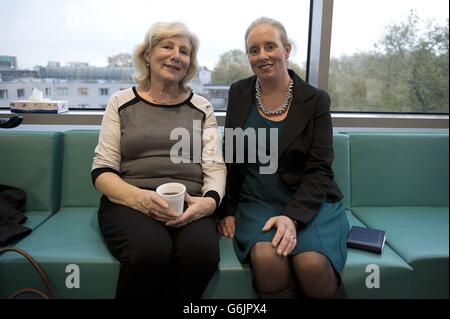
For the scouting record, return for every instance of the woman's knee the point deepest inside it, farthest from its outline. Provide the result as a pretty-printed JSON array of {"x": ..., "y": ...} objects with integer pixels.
[
  {"x": 315, "y": 274},
  {"x": 311, "y": 264},
  {"x": 264, "y": 254},
  {"x": 198, "y": 245},
  {"x": 272, "y": 272},
  {"x": 147, "y": 255}
]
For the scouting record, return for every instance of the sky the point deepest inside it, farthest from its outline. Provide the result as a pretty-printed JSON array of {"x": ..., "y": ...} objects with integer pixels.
[{"x": 91, "y": 30}]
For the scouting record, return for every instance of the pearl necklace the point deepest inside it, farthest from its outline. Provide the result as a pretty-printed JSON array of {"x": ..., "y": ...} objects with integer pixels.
[{"x": 282, "y": 109}]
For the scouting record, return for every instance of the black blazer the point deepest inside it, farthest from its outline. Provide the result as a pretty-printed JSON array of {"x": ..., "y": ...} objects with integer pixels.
[{"x": 305, "y": 153}]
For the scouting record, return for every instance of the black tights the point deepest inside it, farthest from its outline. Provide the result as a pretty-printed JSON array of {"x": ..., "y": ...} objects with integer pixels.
[
  {"x": 274, "y": 275},
  {"x": 159, "y": 261}
]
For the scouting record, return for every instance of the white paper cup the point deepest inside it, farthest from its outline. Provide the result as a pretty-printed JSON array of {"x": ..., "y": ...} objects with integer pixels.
[{"x": 174, "y": 194}]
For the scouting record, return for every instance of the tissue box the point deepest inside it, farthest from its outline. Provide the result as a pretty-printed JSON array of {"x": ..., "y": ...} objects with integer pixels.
[{"x": 27, "y": 106}]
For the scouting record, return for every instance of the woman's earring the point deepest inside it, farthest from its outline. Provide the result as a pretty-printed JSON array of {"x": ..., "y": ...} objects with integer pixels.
[{"x": 148, "y": 64}]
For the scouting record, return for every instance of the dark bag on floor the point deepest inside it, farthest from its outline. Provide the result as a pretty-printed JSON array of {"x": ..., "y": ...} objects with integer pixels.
[{"x": 30, "y": 293}]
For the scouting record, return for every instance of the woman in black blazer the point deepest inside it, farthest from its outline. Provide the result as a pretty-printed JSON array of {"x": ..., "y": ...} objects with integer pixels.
[{"x": 285, "y": 214}]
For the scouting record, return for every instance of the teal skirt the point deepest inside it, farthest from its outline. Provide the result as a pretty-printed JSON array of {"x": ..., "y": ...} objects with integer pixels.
[
  {"x": 325, "y": 234},
  {"x": 263, "y": 196}
]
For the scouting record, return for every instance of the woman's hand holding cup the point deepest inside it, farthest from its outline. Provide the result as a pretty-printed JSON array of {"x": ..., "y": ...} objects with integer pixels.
[{"x": 150, "y": 203}]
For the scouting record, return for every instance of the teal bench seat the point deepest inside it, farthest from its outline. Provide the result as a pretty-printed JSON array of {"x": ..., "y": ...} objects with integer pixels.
[
  {"x": 400, "y": 184},
  {"x": 69, "y": 237},
  {"x": 397, "y": 182},
  {"x": 395, "y": 273}
]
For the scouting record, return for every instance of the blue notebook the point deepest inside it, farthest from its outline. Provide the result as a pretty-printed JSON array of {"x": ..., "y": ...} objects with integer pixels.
[{"x": 367, "y": 239}]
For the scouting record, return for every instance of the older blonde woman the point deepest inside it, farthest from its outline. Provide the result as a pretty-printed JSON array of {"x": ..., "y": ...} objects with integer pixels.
[{"x": 161, "y": 254}]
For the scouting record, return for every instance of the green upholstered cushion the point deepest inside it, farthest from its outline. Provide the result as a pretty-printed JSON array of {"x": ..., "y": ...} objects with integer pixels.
[
  {"x": 420, "y": 236},
  {"x": 69, "y": 237},
  {"x": 233, "y": 280},
  {"x": 35, "y": 218},
  {"x": 31, "y": 161},
  {"x": 77, "y": 188},
  {"x": 399, "y": 169},
  {"x": 395, "y": 273},
  {"x": 341, "y": 166}
]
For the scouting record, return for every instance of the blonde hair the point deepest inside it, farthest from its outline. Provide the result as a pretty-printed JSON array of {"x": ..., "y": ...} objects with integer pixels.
[
  {"x": 276, "y": 24},
  {"x": 158, "y": 32}
]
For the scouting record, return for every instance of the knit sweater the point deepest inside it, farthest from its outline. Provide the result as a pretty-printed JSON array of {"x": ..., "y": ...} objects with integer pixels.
[{"x": 148, "y": 144}]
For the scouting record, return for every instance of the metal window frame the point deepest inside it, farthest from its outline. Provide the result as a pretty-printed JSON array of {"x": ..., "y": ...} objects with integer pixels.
[{"x": 319, "y": 43}]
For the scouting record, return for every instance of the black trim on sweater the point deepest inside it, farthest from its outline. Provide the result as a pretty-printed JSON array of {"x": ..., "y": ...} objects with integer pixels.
[
  {"x": 98, "y": 171},
  {"x": 129, "y": 103},
  {"x": 214, "y": 195},
  {"x": 192, "y": 106},
  {"x": 141, "y": 99}
]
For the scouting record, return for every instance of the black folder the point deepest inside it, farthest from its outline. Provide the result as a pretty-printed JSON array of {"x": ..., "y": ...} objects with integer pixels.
[{"x": 367, "y": 239}]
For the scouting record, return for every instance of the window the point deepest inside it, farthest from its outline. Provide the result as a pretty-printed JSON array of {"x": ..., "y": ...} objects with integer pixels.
[
  {"x": 62, "y": 91},
  {"x": 372, "y": 68},
  {"x": 83, "y": 91},
  {"x": 20, "y": 92},
  {"x": 3, "y": 94},
  {"x": 102, "y": 55},
  {"x": 392, "y": 56}
]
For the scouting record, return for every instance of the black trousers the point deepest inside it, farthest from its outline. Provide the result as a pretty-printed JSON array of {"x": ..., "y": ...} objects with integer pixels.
[{"x": 159, "y": 261}]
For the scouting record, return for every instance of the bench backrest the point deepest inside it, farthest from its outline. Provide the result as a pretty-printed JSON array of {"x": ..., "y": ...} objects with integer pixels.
[
  {"x": 341, "y": 166},
  {"x": 399, "y": 169},
  {"x": 77, "y": 188},
  {"x": 32, "y": 161}
]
